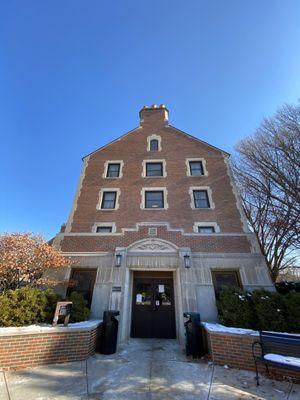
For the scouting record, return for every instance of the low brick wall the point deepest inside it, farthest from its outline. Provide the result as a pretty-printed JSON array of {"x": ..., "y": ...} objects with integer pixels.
[
  {"x": 37, "y": 345},
  {"x": 235, "y": 350}
]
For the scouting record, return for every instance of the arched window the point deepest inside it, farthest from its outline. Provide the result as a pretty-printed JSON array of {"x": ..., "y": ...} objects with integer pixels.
[{"x": 154, "y": 145}]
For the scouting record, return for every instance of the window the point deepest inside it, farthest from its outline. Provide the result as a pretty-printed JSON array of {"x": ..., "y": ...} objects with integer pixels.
[
  {"x": 196, "y": 168},
  {"x": 154, "y": 169},
  {"x": 82, "y": 281},
  {"x": 113, "y": 171},
  {"x": 104, "y": 229},
  {"x": 108, "y": 200},
  {"x": 154, "y": 145},
  {"x": 206, "y": 229},
  {"x": 225, "y": 278},
  {"x": 201, "y": 199},
  {"x": 154, "y": 199}
]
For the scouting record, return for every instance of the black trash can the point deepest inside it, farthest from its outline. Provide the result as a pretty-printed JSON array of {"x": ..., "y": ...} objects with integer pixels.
[
  {"x": 109, "y": 335},
  {"x": 194, "y": 339}
]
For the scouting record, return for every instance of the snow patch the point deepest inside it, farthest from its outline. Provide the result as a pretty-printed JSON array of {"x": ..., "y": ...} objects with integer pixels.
[
  {"x": 211, "y": 327},
  {"x": 45, "y": 328},
  {"x": 292, "y": 361}
]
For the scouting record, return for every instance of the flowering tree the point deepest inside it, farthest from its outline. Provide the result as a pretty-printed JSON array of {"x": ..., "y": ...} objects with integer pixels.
[{"x": 24, "y": 259}]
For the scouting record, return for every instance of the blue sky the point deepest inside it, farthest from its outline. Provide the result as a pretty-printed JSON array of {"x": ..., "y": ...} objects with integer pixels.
[{"x": 74, "y": 74}]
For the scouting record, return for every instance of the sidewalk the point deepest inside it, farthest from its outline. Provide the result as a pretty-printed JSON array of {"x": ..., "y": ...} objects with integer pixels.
[{"x": 143, "y": 370}]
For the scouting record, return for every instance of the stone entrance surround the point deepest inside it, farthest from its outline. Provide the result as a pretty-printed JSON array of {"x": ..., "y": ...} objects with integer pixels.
[
  {"x": 148, "y": 369},
  {"x": 193, "y": 287}
]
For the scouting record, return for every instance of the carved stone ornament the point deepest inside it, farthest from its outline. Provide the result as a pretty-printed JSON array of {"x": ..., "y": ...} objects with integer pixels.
[{"x": 152, "y": 245}]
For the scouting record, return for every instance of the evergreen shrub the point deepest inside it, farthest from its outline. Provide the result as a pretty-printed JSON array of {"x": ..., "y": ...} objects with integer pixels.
[
  {"x": 29, "y": 305},
  {"x": 260, "y": 310}
]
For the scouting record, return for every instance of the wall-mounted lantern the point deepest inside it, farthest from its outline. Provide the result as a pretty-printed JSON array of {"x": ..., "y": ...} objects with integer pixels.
[
  {"x": 118, "y": 260},
  {"x": 187, "y": 261}
]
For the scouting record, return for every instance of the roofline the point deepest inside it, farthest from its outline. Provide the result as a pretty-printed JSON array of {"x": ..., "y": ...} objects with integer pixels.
[
  {"x": 170, "y": 126},
  {"x": 199, "y": 140},
  {"x": 113, "y": 141}
]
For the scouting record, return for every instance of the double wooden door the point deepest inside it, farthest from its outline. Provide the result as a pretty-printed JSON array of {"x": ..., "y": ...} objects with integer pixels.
[{"x": 153, "y": 311}]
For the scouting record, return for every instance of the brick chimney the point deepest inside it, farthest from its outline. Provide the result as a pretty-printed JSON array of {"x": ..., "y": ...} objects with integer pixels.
[{"x": 154, "y": 115}]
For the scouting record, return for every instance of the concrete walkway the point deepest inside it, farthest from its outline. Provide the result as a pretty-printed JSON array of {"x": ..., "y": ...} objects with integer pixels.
[{"x": 142, "y": 370}]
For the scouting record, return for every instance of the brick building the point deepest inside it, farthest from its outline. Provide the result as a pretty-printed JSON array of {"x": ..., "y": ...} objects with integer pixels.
[{"x": 156, "y": 228}]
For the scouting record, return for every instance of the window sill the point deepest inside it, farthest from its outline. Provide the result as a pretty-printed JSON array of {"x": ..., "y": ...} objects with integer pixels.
[
  {"x": 107, "y": 209},
  {"x": 155, "y": 177},
  {"x": 153, "y": 208}
]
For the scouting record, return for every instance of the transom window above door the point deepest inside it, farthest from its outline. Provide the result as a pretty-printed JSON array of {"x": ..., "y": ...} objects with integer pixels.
[
  {"x": 154, "y": 199},
  {"x": 154, "y": 169},
  {"x": 196, "y": 168},
  {"x": 113, "y": 170}
]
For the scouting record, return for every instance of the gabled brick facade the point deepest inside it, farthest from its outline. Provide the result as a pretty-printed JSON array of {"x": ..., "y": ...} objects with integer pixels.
[
  {"x": 161, "y": 238},
  {"x": 176, "y": 148}
]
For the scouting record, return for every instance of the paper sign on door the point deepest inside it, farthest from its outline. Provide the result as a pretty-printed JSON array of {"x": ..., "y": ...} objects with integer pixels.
[
  {"x": 157, "y": 303},
  {"x": 161, "y": 288},
  {"x": 139, "y": 298}
]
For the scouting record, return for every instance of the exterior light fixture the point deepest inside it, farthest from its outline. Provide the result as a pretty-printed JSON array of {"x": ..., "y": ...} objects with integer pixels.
[
  {"x": 187, "y": 261},
  {"x": 118, "y": 260}
]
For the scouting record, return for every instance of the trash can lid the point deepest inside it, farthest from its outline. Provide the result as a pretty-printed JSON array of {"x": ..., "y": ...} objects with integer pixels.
[
  {"x": 194, "y": 316},
  {"x": 111, "y": 313}
]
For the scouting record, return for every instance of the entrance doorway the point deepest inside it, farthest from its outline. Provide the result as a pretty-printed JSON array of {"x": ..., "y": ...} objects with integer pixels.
[{"x": 153, "y": 310}]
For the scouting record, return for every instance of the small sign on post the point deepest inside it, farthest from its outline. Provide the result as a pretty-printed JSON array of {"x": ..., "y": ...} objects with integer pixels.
[{"x": 63, "y": 309}]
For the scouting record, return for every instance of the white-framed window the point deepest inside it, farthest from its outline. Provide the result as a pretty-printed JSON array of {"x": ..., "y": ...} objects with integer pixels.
[
  {"x": 154, "y": 198},
  {"x": 154, "y": 169},
  {"x": 108, "y": 199},
  {"x": 154, "y": 143},
  {"x": 206, "y": 227},
  {"x": 196, "y": 167},
  {"x": 201, "y": 198},
  {"x": 104, "y": 228},
  {"x": 113, "y": 169}
]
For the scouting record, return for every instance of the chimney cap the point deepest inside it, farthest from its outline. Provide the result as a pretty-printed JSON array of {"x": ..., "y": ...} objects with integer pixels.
[
  {"x": 155, "y": 107},
  {"x": 154, "y": 112}
]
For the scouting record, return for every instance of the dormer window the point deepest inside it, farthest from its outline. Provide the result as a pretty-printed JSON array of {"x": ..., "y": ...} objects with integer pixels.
[{"x": 154, "y": 145}]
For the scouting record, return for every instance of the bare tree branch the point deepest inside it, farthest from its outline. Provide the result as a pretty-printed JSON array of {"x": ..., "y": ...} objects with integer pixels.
[{"x": 267, "y": 169}]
